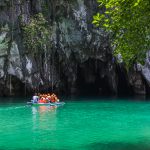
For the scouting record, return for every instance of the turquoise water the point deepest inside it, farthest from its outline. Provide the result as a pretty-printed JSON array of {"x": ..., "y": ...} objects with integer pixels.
[{"x": 80, "y": 125}]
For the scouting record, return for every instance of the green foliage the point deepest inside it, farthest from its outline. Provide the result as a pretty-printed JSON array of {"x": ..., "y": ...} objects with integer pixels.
[
  {"x": 36, "y": 33},
  {"x": 4, "y": 40},
  {"x": 127, "y": 21},
  {"x": 3, "y": 43}
]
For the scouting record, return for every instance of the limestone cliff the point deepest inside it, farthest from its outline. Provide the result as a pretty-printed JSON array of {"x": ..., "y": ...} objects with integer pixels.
[{"x": 79, "y": 60}]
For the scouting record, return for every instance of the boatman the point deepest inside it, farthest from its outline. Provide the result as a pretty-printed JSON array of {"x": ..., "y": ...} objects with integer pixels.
[{"x": 35, "y": 98}]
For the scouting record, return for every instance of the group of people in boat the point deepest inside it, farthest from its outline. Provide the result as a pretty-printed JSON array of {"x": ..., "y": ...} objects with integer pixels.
[{"x": 45, "y": 98}]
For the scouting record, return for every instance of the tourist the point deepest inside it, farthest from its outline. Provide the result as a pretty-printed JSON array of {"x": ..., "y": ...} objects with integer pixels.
[{"x": 45, "y": 98}]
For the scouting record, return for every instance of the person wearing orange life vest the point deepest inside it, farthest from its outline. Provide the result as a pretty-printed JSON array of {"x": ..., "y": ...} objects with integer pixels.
[
  {"x": 42, "y": 100},
  {"x": 49, "y": 98},
  {"x": 52, "y": 98},
  {"x": 46, "y": 98}
]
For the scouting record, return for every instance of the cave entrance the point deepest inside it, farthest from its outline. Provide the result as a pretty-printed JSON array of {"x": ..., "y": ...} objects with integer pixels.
[
  {"x": 124, "y": 88},
  {"x": 18, "y": 87},
  {"x": 90, "y": 81}
]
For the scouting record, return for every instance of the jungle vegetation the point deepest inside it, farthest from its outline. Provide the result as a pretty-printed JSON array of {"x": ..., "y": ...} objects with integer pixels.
[{"x": 128, "y": 23}]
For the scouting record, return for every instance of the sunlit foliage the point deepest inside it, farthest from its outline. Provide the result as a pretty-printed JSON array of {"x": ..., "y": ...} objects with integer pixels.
[{"x": 128, "y": 22}]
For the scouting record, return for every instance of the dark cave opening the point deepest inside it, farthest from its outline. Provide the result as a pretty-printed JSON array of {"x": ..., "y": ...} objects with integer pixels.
[
  {"x": 90, "y": 82},
  {"x": 13, "y": 86},
  {"x": 124, "y": 88},
  {"x": 18, "y": 88}
]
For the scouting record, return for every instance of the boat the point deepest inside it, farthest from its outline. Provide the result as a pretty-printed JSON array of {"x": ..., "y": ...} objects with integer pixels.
[{"x": 45, "y": 104}]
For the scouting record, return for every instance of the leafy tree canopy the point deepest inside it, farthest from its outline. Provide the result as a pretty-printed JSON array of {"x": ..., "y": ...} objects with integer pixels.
[{"x": 128, "y": 22}]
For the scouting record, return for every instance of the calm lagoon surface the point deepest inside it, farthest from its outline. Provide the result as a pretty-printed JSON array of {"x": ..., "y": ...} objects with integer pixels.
[{"x": 88, "y": 124}]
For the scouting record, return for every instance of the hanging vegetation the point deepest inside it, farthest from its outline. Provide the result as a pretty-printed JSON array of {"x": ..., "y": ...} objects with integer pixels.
[{"x": 36, "y": 33}]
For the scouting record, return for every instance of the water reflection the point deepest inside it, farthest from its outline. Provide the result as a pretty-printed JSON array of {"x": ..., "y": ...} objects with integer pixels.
[
  {"x": 44, "y": 123},
  {"x": 44, "y": 114},
  {"x": 43, "y": 109}
]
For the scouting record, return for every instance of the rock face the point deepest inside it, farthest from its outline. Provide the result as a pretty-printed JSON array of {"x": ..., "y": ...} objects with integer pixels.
[{"x": 79, "y": 60}]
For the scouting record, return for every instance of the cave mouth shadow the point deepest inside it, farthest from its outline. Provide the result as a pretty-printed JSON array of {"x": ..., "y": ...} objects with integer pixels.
[
  {"x": 90, "y": 81},
  {"x": 13, "y": 87},
  {"x": 123, "y": 86}
]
